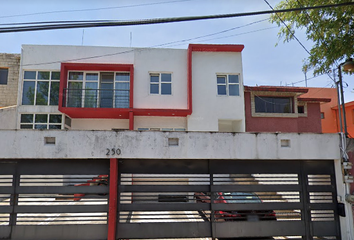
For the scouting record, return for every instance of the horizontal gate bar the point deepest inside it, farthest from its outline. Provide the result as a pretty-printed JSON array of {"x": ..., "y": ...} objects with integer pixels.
[
  {"x": 163, "y": 188},
  {"x": 320, "y": 188},
  {"x": 254, "y": 188},
  {"x": 62, "y": 189},
  {"x": 4, "y": 190},
  {"x": 322, "y": 206},
  {"x": 164, "y": 230},
  {"x": 324, "y": 228},
  {"x": 164, "y": 207},
  {"x": 6, "y": 209},
  {"x": 259, "y": 229},
  {"x": 61, "y": 209},
  {"x": 61, "y": 232},
  {"x": 259, "y": 206}
]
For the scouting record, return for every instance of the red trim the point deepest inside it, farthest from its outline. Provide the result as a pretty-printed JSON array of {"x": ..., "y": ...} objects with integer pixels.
[
  {"x": 131, "y": 121},
  {"x": 216, "y": 47},
  {"x": 276, "y": 89},
  {"x": 314, "y": 99},
  {"x": 94, "y": 112},
  {"x": 113, "y": 189}
]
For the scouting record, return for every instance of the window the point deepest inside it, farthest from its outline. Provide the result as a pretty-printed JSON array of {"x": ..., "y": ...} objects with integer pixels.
[
  {"x": 41, "y": 121},
  {"x": 98, "y": 89},
  {"x": 301, "y": 109},
  {"x": 273, "y": 104},
  {"x": 40, "y": 88},
  {"x": 322, "y": 115},
  {"x": 4, "y": 72},
  {"x": 228, "y": 85},
  {"x": 161, "y": 83}
]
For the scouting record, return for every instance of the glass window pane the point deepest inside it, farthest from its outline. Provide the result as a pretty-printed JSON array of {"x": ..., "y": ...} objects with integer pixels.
[
  {"x": 28, "y": 93},
  {"x": 166, "y": 88},
  {"x": 26, "y": 118},
  {"x": 76, "y": 76},
  {"x": 233, "y": 79},
  {"x": 43, "y": 75},
  {"x": 91, "y": 98},
  {"x": 55, "y": 76},
  {"x": 54, "y": 126},
  {"x": 123, "y": 77},
  {"x": 91, "y": 85},
  {"x": 41, "y": 118},
  {"x": 92, "y": 76},
  {"x": 221, "y": 79},
  {"x": 42, "y": 93},
  {"x": 106, "y": 95},
  {"x": 30, "y": 75},
  {"x": 55, "y": 118},
  {"x": 165, "y": 77},
  {"x": 154, "y": 78},
  {"x": 54, "y": 93},
  {"x": 74, "y": 94},
  {"x": 4, "y": 72},
  {"x": 234, "y": 90},
  {"x": 40, "y": 126},
  {"x": 107, "y": 77},
  {"x": 154, "y": 88},
  {"x": 122, "y": 86},
  {"x": 221, "y": 89},
  {"x": 26, "y": 126},
  {"x": 273, "y": 105}
]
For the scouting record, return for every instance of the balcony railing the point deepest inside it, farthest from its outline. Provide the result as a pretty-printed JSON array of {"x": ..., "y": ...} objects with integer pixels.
[{"x": 96, "y": 98}]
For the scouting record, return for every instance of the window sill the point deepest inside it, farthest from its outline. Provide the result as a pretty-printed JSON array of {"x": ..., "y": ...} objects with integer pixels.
[{"x": 278, "y": 115}]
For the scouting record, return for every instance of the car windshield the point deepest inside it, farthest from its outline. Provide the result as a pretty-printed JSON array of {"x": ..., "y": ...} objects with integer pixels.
[{"x": 241, "y": 197}]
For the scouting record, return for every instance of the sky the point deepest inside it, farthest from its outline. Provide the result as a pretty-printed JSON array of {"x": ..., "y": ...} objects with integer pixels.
[{"x": 266, "y": 59}]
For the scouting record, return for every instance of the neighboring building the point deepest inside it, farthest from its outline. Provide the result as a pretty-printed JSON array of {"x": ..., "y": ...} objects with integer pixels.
[
  {"x": 9, "y": 72},
  {"x": 282, "y": 109},
  {"x": 115, "y": 143}
]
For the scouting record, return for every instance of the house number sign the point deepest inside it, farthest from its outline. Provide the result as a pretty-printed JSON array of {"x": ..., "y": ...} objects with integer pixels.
[{"x": 113, "y": 151}]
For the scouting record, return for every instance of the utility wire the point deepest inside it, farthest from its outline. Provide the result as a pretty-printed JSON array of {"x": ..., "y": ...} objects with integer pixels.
[
  {"x": 159, "y": 20},
  {"x": 93, "y": 9}
]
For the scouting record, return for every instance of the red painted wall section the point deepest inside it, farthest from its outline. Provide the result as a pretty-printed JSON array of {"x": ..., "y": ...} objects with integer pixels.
[{"x": 312, "y": 123}]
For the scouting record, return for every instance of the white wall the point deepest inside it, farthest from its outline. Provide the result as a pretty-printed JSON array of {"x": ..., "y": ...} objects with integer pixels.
[
  {"x": 192, "y": 145},
  {"x": 208, "y": 107},
  {"x": 8, "y": 117},
  {"x": 160, "y": 60},
  {"x": 99, "y": 124},
  {"x": 160, "y": 122}
]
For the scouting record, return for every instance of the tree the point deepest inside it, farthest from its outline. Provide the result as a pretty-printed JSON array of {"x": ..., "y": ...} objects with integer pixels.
[{"x": 331, "y": 30}]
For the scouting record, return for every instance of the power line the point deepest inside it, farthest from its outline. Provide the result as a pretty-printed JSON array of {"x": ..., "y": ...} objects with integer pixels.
[
  {"x": 157, "y": 20},
  {"x": 93, "y": 9}
]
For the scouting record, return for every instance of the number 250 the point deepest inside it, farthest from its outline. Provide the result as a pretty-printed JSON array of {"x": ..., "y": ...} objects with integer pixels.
[{"x": 113, "y": 151}]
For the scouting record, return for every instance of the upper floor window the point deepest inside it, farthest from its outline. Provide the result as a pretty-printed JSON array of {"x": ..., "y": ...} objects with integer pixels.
[
  {"x": 161, "y": 83},
  {"x": 98, "y": 89},
  {"x": 40, "y": 88},
  {"x": 4, "y": 72},
  {"x": 273, "y": 104},
  {"x": 228, "y": 85},
  {"x": 41, "y": 121}
]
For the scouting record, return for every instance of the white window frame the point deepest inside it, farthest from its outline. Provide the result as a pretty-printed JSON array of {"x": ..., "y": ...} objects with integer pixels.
[
  {"x": 227, "y": 83},
  {"x": 36, "y": 81},
  {"x": 159, "y": 83},
  {"x": 47, "y": 123},
  {"x": 98, "y": 81}
]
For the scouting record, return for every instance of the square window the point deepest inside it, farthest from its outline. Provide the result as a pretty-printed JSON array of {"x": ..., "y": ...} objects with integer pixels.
[
  {"x": 43, "y": 75},
  {"x": 76, "y": 76},
  {"x": 228, "y": 85},
  {"x": 55, "y": 118},
  {"x": 30, "y": 75},
  {"x": 41, "y": 118},
  {"x": 4, "y": 73},
  {"x": 161, "y": 83},
  {"x": 55, "y": 76},
  {"x": 26, "y": 118},
  {"x": 273, "y": 104}
]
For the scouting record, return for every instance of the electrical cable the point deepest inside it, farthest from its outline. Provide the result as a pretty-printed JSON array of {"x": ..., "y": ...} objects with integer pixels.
[
  {"x": 93, "y": 9},
  {"x": 159, "y": 20}
]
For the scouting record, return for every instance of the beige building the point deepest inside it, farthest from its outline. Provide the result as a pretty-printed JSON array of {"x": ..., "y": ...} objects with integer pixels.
[{"x": 9, "y": 72}]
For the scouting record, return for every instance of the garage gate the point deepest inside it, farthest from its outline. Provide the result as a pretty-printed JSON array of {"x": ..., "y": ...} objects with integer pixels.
[
  {"x": 227, "y": 199},
  {"x": 68, "y": 199}
]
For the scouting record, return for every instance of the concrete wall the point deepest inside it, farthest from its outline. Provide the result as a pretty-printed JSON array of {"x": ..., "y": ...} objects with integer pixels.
[
  {"x": 8, "y": 92},
  {"x": 208, "y": 107},
  {"x": 8, "y": 118},
  {"x": 191, "y": 145}
]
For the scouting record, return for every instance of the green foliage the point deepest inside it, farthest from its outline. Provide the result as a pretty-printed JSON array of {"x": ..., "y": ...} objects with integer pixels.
[{"x": 331, "y": 30}]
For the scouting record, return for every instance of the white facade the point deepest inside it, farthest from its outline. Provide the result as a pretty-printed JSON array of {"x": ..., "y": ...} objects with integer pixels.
[{"x": 210, "y": 111}]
